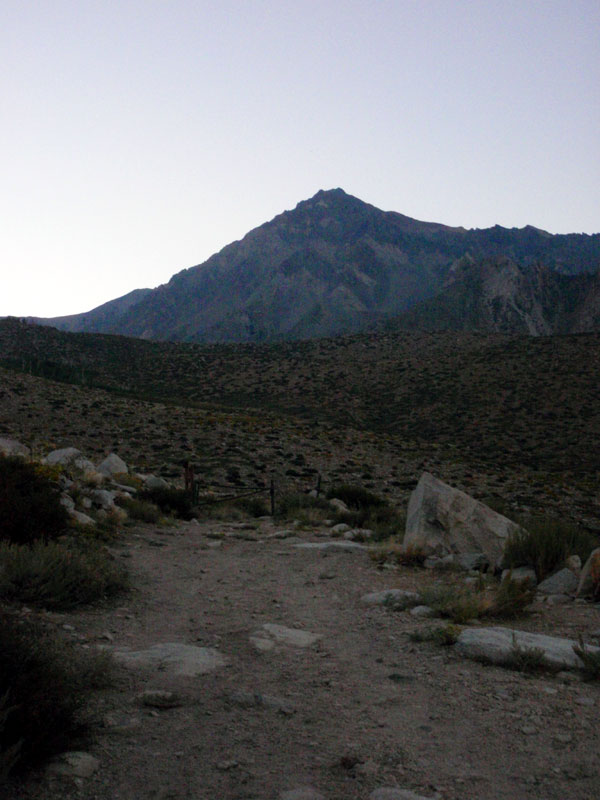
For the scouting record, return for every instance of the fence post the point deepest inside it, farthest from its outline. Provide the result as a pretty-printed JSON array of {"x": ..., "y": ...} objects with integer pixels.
[
  {"x": 272, "y": 493},
  {"x": 318, "y": 484}
]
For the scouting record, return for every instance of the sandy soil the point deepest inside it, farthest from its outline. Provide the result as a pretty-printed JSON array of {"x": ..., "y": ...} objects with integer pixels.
[{"x": 364, "y": 707}]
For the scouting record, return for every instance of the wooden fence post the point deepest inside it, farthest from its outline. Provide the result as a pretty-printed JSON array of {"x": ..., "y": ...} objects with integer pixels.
[{"x": 272, "y": 493}]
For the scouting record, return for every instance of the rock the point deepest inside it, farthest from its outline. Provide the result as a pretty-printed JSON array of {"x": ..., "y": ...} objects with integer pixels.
[
  {"x": 442, "y": 520},
  {"x": 69, "y": 457},
  {"x": 112, "y": 465},
  {"x": 339, "y": 505},
  {"x": 359, "y": 535},
  {"x": 103, "y": 498},
  {"x": 258, "y": 700},
  {"x": 67, "y": 501},
  {"x": 154, "y": 482},
  {"x": 574, "y": 564},
  {"x": 81, "y": 518},
  {"x": 585, "y": 587},
  {"x": 173, "y": 657},
  {"x": 562, "y": 582},
  {"x": 423, "y": 612},
  {"x": 340, "y": 528},
  {"x": 469, "y": 561},
  {"x": 271, "y": 634},
  {"x": 302, "y": 793},
  {"x": 398, "y": 599},
  {"x": 520, "y": 574},
  {"x": 158, "y": 698},
  {"x": 393, "y": 793},
  {"x": 346, "y": 546},
  {"x": 496, "y": 645},
  {"x": 11, "y": 447},
  {"x": 75, "y": 764}
]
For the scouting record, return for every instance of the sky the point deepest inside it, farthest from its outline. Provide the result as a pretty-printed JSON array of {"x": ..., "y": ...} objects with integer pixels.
[{"x": 139, "y": 137}]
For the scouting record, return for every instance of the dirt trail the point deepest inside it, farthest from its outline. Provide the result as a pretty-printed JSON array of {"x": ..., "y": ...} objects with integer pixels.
[{"x": 361, "y": 708}]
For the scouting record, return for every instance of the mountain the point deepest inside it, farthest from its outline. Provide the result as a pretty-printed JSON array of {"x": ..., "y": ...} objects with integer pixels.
[
  {"x": 501, "y": 296},
  {"x": 332, "y": 265}
]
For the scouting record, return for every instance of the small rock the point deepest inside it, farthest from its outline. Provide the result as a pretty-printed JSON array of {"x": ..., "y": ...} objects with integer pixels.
[
  {"x": 272, "y": 634},
  {"x": 340, "y": 528},
  {"x": 157, "y": 698},
  {"x": 74, "y": 764},
  {"x": 398, "y": 599},
  {"x": 339, "y": 505},
  {"x": 585, "y": 701},
  {"x": 423, "y": 612},
  {"x": 224, "y": 766}
]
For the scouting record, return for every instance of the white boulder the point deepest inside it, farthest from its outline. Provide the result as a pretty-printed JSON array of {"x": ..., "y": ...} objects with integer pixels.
[{"x": 443, "y": 520}]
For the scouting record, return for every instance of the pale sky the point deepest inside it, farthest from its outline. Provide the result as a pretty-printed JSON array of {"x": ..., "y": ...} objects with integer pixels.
[{"x": 139, "y": 137}]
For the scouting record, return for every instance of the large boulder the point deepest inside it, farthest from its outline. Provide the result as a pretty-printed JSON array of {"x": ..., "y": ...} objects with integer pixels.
[
  {"x": 443, "y": 520},
  {"x": 112, "y": 465},
  {"x": 71, "y": 458}
]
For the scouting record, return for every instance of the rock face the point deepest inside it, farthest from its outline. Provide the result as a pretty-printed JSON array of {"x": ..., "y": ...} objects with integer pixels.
[
  {"x": 444, "y": 520},
  {"x": 497, "y": 645}
]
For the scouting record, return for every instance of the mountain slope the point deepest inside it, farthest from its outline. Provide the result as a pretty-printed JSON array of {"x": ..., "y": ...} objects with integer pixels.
[
  {"x": 501, "y": 296},
  {"x": 332, "y": 265}
]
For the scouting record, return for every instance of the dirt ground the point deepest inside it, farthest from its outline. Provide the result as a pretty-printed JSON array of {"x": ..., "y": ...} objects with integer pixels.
[{"x": 364, "y": 707}]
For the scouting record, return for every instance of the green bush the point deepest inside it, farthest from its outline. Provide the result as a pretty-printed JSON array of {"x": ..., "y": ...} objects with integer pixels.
[
  {"x": 45, "y": 686},
  {"x": 545, "y": 544},
  {"x": 30, "y": 506},
  {"x": 176, "y": 502},
  {"x": 510, "y": 599},
  {"x": 254, "y": 506},
  {"x": 58, "y": 576}
]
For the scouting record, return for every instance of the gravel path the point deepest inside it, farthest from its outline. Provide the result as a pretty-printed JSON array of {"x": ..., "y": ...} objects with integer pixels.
[{"x": 358, "y": 709}]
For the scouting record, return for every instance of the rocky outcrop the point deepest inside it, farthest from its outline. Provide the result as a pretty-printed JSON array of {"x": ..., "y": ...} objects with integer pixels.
[{"x": 442, "y": 520}]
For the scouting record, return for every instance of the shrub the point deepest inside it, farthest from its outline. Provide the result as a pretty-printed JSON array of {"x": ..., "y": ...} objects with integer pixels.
[
  {"x": 254, "y": 506},
  {"x": 545, "y": 544},
  {"x": 176, "y": 502},
  {"x": 29, "y": 502},
  {"x": 591, "y": 661},
  {"x": 142, "y": 510},
  {"x": 395, "y": 551},
  {"x": 526, "y": 659},
  {"x": 58, "y": 576},
  {"x": 355, "y": 497},
  {"x": 45, "y": 685},
  {"x": 510, "y": 599},
  {"x": 458, "y": 603},
  {"x": 293, "y": 503}
]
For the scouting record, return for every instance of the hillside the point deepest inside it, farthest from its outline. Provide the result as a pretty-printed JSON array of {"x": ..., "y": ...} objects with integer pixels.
[
  {"x": 519, "y": 401},
  {"x": 333, "y": 265}
]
